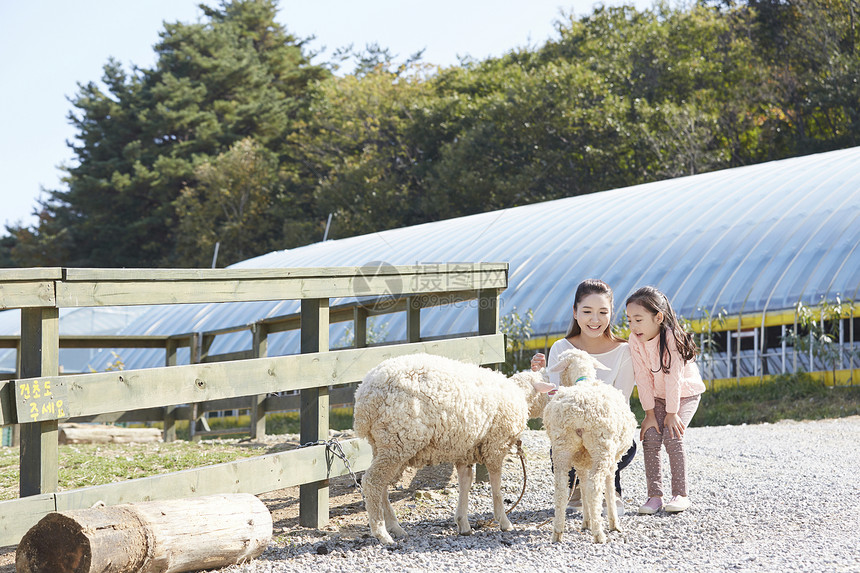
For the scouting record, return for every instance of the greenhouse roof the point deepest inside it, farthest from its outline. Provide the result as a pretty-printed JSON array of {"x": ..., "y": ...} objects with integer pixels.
[{"x": 747, "y": 240}]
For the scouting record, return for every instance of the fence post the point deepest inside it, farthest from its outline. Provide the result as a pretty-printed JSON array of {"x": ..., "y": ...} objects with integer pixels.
[
  {"x": 170, "y": 346},
  {"x": 40, "y": 353},
  {"x": 195, "y": 356},
  {"x": 16, "y": 429},
  {"x": 413, "y": 319},
  {"x": 488, "y": 323},
  {"x": 359, "y": 322},
  {"x": 488, "y": 312},
  {"x": 314, "y": 424},
  {"x": 260, "y": 349}
]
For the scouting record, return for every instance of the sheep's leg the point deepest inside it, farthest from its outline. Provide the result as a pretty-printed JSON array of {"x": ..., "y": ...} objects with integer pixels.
[
  {"x": 375, "y": 486},
  {"x": 594, "y": 492},
  {"x": 561, "y": 462},
  {"x": 611, "y": 508},
  {"x": 464, "y": 479},
  {"x": 391, "y": 523},
  {"x": 498, "y": 503},
  {"x": 587, "y": 510}
]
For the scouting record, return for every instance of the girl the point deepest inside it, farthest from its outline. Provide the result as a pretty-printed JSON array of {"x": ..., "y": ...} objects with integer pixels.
[
  {"x": 589, "y": 330},
  {"x": 669, "y": 390}
]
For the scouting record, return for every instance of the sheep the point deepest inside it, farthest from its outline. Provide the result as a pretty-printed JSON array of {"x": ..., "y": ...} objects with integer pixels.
[
  {"x": 590, "y": 426},
  {"x": 419, "y": 410}
]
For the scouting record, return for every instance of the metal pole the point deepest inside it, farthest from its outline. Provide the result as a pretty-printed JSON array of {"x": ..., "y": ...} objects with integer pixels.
[
  {"x": 327, "y": 225},
  {"x": 756, "y": 368},
  {"x": 215, "y": 254},
  {"x": 794, "y": 346},
  {"x": 728, "y": 354},
  {"x": 851, "y": 339},
  {"x": 738, "y": 354},
  {"x": 782, "y": 338},
  {"x": 841, "y": 341}
]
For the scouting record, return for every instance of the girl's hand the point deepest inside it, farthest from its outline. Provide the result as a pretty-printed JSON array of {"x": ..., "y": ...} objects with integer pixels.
[
  {"x": 674, "y": 425},
  {"x": 538, "y": 362},
  {"x": 650, "y": 421}
]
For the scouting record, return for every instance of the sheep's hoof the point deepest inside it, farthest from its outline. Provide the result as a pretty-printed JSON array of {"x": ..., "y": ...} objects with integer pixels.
[
  {"x": 505, "y": 524},
  {"x": 463, "y": 527},
  {"x": 556, "y": 536},
  {"x": 384, "y": 539},
  {"x": 600, "y": 537},
  {"x": 397, "y": 531}
]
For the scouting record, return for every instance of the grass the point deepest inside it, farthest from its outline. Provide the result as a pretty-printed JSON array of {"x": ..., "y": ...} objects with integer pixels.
[
  {"x": 83, "y": 465},
  {"x": 277, "y": 423},
  {"x": 792, "y": 397}
]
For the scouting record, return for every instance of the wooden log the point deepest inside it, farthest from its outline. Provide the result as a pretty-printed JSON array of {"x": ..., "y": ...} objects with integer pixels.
[
  {"x": 102, "y": 434},
  {"x": 148, "y": 537}
]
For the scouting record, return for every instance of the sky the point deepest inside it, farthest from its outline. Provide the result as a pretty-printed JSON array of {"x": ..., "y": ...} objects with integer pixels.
[{"x": 48, "y": 47}]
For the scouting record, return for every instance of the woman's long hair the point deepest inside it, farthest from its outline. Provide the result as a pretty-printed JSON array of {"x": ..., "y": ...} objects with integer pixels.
[
  {"x": 655, "y": 301},
  {"x": 585, "y": 288}
]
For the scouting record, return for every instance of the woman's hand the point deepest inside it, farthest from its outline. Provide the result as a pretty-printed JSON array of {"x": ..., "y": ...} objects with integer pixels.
[
  {"x": 538, "y": 362},
  {"x": 674, "y": 425},
  {"x": 650, "y": 421}
]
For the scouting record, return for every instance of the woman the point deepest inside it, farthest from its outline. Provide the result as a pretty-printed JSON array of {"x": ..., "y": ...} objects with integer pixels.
[{"x": 590, "y": 331}]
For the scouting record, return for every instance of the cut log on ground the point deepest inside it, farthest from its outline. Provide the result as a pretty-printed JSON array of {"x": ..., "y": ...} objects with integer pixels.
[
  {"x": 103, "y": 434},
  {"x": 148, "y": 537}
]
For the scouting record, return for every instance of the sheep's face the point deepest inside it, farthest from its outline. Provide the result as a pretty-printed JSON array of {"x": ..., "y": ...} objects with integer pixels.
[{"x": 576, "y": 363}]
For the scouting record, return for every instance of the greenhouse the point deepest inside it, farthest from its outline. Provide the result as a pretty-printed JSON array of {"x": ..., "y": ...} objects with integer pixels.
[{"x": 737, "y": 252}]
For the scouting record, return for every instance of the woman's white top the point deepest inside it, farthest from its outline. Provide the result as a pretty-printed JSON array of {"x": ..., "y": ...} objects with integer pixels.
[{"x": 618, "y": 361}]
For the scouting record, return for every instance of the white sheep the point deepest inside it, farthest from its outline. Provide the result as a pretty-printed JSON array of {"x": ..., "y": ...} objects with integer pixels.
[
  {"x": 590, "y": 426},
  {"x": 419, "y": 410}
]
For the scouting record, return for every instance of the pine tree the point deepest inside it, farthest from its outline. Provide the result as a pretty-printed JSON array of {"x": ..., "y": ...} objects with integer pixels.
[{"x": 237, "y": 74}]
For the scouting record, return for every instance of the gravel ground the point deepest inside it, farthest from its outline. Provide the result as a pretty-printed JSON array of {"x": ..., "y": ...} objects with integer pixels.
[{"x": 770, "y": 497}]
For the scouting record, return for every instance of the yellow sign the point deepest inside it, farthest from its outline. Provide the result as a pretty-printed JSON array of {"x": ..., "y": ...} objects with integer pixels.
[{"x": 36, "y": 402}]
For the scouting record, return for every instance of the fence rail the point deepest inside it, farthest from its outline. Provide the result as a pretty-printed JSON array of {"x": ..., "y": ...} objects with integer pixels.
[{"x": 39, "y": 397}]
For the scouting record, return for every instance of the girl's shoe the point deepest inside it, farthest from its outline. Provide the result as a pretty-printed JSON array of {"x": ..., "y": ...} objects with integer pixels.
[
  {"x": 677, "y": 504},
  {"x": 652, "y": 506}
]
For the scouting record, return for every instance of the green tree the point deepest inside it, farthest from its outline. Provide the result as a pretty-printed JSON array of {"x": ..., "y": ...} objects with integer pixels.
[
  {"x": 359, "y": 142},
  {"x": 810, "y": 49},
  {"x": 234, "y": 75},
  {"x": 621, "y": 96},
  {"x": 230, "y": 204},
  {"x": 7, "y": 244}
]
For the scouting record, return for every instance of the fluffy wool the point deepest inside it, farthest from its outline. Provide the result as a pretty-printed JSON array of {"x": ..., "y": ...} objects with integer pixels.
[
  {"x": 590, "y": 426},
  {"x": 420, "y": 410}
]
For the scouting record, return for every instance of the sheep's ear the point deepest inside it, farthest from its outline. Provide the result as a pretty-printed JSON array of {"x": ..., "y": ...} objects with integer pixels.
[
  {"x": 598, "y": 365},
  {"x": 543, "y": 387},
  {"x": 558, "y": 366}
]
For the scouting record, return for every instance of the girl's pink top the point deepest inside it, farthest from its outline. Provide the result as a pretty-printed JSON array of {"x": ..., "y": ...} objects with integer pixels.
[{"x": 683, "y": 379}]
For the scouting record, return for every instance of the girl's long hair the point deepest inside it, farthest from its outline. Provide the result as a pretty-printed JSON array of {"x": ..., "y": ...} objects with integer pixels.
[
  {"x": 655, "y": 301},
  {"x": 585, "y": 288}
]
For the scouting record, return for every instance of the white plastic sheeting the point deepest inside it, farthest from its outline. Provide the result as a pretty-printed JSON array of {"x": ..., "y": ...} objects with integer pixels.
[
  {"x": 747, "y": 240},
  {"x": 73, "y": 321}
]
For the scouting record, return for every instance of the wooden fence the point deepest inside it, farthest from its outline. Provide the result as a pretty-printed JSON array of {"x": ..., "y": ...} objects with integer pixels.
[{"x": 40, "y": 397}]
